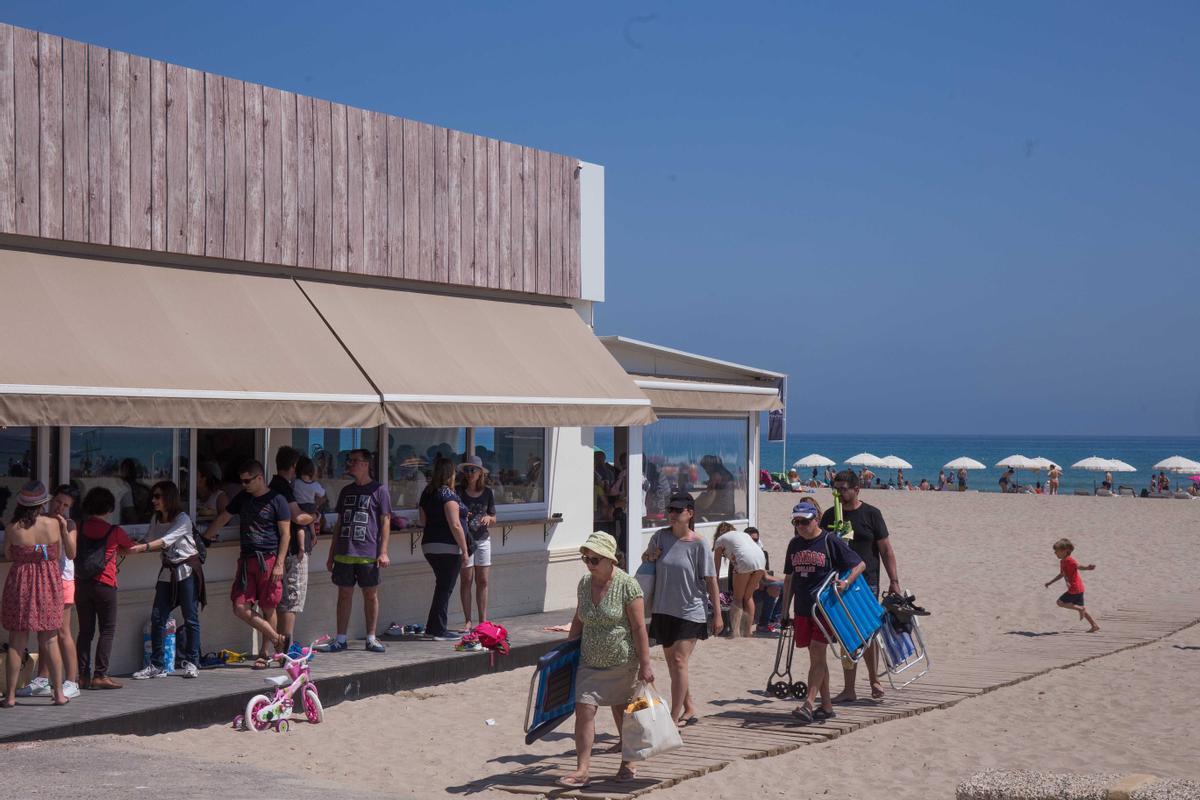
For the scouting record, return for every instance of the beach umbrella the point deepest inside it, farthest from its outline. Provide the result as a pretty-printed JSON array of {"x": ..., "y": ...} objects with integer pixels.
[
  {"x": 894, "y": 462},
  {"x": 1040, "y": 463},
  {"x": 1120, "y": 466},
  {"x": 863, "y": 460},
  {"x": 814, "y": 460},
  {"x": 964, "y": 463},
  {"x": 1178, "y": 464},
  {"x": 1093, "y": 464}
]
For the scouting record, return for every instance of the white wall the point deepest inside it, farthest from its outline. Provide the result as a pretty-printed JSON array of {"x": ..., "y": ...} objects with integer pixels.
[{"x": 591, "y": 231}]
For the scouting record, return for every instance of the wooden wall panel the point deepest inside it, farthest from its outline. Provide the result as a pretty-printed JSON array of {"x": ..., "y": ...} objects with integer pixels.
[
  {"x": 375, "y": 194},
  {"x": 104, "y": 147},
  {"x": 50, "y": 158},
  {"x": 354, "y": 190},
  {"x": 178, "y": 125},
  {"x": 194, "y": 191},
  {"x": 8, "y": 142},
  {"x": 118, "y": 143},
  {"x": 453, "y": 207},
  {"x": 289, "y": 180},
  {"x": 395, "y": 188},
  {"x": 255, "y": 162},
  {"x": 235, "y": 169},
  {"x": 339, "y": 225},
  {"x": 322, "y": 185},
  {"x": 425, "y": 171},
  {"x": 272, "y": 176},
  {"x": 305, "y": 181},
  {"x": 441, "y": 182},
  {"x": 99, "y": 173},
  {"x": 411, "y": 176},
  {"x": 26, "y": 134},
  {"x": 158, "y": 155},
  {"x": 141, "y": 154}
]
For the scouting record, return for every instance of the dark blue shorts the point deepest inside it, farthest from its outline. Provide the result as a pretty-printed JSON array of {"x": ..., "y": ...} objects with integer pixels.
[
  {"x": 1073, "y": 599},
  {"x": 346, "y": 575}
]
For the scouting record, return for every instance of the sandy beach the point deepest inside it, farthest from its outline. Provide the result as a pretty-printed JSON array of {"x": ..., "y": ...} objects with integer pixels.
[{"x": 977, "y": 561}]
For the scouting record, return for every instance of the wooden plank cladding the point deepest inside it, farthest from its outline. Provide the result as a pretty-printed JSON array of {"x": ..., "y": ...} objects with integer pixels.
[{"x": 107, "y": 148}]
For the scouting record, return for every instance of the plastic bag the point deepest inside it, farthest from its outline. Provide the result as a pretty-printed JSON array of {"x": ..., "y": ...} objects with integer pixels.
[{"x": 649, "y": 729}]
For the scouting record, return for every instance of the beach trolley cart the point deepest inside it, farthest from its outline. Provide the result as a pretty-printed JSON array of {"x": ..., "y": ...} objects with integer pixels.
[
  {"x": 850, "y": 619},
  {"x": 552, "y": 690},
  {"x": 780, "y": 683},
  {"x": 903, "y": 646}
]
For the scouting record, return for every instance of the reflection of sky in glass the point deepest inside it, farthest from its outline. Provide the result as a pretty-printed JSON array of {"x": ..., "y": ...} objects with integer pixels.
[
  {"x": 674, "y": 442},
  {"x": 18, "y": 449},
  {"x": 99, "y": 451},
  {"x": 330, "y": 447}
]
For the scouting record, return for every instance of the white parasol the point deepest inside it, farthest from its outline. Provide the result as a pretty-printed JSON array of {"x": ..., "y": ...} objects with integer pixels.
[
  {"x": 1093, "y": 464},
  {"x": 1117, "y": 465},
  {"x": 1015, "y": 462},
  {"x": 964, "y": 463},
  {"x": 1178, "y": 464},
  {"x": 863, "y": 460},
  {"x": 894, "y": 462},
  {"x": 813, "y": 460}
]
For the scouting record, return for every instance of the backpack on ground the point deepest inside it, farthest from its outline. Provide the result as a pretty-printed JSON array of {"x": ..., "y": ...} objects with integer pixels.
[
  {"x": 91, "y": 556},
  {"x": 492, "y": 636}
]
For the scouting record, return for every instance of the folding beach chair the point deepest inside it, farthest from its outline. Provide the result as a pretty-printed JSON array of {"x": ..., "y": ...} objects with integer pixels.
[
  {"x": 848, "y": 620},
  {"x": 903, "y": 647},
  {"x": 552, "y": 691}
]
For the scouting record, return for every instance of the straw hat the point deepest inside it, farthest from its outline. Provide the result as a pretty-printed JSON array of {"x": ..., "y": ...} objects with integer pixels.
[
  {"x": 602, "y": 544},
  {"x": 33, "y": 495}
]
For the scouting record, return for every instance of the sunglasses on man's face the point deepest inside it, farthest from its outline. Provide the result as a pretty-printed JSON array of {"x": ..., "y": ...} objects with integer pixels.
[
  {"x": 802, "y": 520},
  {"x": 248, "y": 481},
  {"x": 841, "y": 489},
  {"x": 592, "y": 560}
]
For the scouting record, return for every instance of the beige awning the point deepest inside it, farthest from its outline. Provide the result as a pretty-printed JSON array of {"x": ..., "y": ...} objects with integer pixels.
[
  {"x": 682, "y": 394},
  {"x": 443, "y": 361},
  {"x": 96, "y": 342}
]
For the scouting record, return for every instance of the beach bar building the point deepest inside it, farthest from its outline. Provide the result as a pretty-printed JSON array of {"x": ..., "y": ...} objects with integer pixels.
[{"x": 198, "y": 270}]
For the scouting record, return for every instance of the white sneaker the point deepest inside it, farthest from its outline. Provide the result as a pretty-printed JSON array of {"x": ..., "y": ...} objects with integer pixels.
[
  {"x": 150, "y": 671},
  {"x": 38, "y": 687},
  {"x": 70, "y": 689},
  {"x": 189, "y": 670}
]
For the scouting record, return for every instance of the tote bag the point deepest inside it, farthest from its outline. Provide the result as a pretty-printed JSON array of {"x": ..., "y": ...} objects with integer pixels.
[{"x": 649, "y": 729}]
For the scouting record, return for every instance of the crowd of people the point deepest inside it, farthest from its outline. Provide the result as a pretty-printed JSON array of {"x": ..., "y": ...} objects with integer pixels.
[{"x": 60, "y": 569}]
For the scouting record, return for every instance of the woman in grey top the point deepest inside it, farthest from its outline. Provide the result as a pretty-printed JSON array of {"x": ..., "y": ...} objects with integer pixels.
[{"x": 683, "y": 575}]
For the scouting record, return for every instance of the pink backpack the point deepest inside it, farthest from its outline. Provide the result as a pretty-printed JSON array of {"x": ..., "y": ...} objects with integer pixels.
[{"x": 492, "y": 636}]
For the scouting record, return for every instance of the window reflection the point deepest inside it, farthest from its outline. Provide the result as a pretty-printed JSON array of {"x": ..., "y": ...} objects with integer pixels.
[
  {"x": 513, "y": 458},
  {"x": 18, "y": 456},
  {"x": 411, "y": 453},
  {"x": 220, "y": 454},
  {"x": 127, "y": 462},
  {"x": 329, "y": 448},
  {"x": 704, "y": 456}
]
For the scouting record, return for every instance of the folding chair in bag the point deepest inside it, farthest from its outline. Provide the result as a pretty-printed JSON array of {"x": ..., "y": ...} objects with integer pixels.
[
  {"x": 903, "y": 645},
  {"x": 783, "y": 669},
  {"x": 849, "y": 620},
  {"x": 552, "y": 691}
]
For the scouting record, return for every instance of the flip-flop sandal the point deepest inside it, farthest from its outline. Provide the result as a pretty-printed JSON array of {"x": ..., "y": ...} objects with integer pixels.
[
  {"x": 568, "y": 782},
  {"x": 820, "y": 715},
  {"x": 803, "y": 715},
  {"x": 261, "y": 663},
  {"x": 626, "y": 774}
]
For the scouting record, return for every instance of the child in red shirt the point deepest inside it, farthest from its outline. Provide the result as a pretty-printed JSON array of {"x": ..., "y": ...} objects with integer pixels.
[{"x": 1068, "y": 569}]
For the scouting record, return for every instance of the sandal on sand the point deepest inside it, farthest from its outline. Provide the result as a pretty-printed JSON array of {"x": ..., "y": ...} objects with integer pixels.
[
  {"x": 686, "y": 722},
  {"x": 571, "y": 782},
  {"x": 626, "y": 774},
  {"x": 803, "y": 714}
]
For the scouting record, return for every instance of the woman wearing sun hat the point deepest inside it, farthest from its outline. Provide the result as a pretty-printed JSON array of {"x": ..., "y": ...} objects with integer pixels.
[
  {"x": 480, "y": 503},
  {"x": 614, "y": 654},
  {"x": 33, "y": 589}
]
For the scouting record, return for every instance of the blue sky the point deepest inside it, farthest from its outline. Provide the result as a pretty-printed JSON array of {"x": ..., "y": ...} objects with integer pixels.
[{"x": 937, "y": 218}]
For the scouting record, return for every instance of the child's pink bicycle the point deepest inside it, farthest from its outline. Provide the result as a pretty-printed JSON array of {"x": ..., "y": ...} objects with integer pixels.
[{"x": 264, "y": 712}]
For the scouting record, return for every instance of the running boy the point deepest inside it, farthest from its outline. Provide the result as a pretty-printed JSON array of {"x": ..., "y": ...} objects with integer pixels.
[
  {"x": 1068, "y": 569},
  {"x": 811, "y": 555}
]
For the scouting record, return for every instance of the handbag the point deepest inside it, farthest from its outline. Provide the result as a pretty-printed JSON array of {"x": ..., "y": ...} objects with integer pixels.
[
  {"x": 645, "y": 575},
  {"x": 648, "y": 728}
]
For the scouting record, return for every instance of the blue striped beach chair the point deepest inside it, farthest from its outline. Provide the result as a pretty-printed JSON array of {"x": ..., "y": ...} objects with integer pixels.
[
  {"x": 848, "y": 620},
  {"x": 552, "y": 691},
  {"x": 903, "y": 651}
]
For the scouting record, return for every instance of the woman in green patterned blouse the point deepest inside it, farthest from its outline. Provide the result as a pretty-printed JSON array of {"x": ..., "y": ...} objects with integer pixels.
[{"x": 614, "y": 654}]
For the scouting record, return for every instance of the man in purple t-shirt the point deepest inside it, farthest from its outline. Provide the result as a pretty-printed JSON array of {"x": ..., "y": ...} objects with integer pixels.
[{"x": 359, "y": 548}]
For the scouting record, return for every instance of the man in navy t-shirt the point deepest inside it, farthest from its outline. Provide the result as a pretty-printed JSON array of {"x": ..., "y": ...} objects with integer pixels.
[{"x": 812, "y": 554}]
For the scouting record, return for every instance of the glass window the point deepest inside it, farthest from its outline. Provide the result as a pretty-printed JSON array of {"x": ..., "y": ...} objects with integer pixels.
[
  {"x": 513, "y": 458},
  {"x": 329, "y": 448},
  {"x": 18, "y": 457},
  {"x": 411, "y": 453},
  {"x": 705, "y": 456},
  {"x": 220, "y": 453},
  {"x": 127, "y": 462}
]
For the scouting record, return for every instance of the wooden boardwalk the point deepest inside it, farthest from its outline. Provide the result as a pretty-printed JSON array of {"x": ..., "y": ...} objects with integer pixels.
[{"x": 767, "y": 729}]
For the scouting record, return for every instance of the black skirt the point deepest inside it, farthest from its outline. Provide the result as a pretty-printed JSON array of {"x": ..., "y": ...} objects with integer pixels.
[{"x": 667, "y": 630}]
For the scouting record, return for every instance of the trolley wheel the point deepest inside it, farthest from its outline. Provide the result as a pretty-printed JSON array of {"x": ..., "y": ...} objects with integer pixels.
[
  {"x": 799, "y": 690},
  {"x": 780, "y": 689}
]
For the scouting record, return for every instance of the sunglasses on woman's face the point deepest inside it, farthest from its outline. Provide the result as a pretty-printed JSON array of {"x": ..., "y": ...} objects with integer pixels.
[{"x": 591, "y": 560}]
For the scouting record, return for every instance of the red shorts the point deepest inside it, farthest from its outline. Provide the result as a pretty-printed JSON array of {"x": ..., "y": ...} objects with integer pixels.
[
  {"x": 254, "y": 585},
  {"x": 807, "y": 632}
]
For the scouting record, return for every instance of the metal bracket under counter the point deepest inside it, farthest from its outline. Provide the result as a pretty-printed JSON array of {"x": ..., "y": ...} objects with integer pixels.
[{"x": 506, "y": 528}]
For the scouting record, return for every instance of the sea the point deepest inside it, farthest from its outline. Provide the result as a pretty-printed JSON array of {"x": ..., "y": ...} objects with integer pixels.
[{"x": 928, "y": 453}]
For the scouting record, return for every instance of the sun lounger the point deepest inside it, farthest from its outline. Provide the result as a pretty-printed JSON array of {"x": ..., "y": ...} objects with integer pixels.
[
  {"x": 1082, "y": 492},
  {"x": 850, "y": 620},
  {"x": 1104, "y": 493},
  {"x": 552, "y": 691},
  {"x": 1126, "y": 491},
  {"x": 903, "y": 649}
]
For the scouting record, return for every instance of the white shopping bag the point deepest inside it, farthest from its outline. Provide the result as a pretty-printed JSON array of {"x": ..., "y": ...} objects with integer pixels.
[{"x": 650, "y": 729}]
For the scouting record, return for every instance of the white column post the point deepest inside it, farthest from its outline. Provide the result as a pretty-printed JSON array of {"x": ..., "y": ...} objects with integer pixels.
[
  {"x": 752, "y": 471},
  {"x": 636, "y": 500}
]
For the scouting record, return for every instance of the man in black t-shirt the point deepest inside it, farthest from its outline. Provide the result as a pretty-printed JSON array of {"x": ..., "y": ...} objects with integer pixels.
[
  {"x": 873, "y": 545},
  {"x": 295, "y": 562}
]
